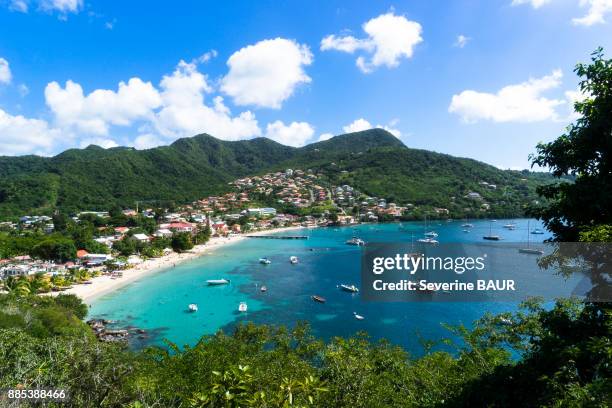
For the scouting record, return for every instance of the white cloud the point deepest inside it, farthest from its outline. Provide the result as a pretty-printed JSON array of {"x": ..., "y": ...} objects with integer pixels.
[
  {"x": 461, "y": 41},
  {"x": 534, "y": 3},
  {"x": 267, "y": 73},
  {"x": 361, "y": 124},
  {"x": 148, "y": 141},
  {"x": 5, "y": 72},
  {"x": 325, "y": 136},
  {"x": 295, "y": 134},
  {"x": 390, "y": 38},
  {"x": 21, "y": 135},
  {"x": 357, "y": 126},
  {"x": 513, "y": 103},
  {"x": 597, "y": 9},
  {"x": 184, "y": 112},
  {"x": 102, "y": 142},
  {"x": 62, "y": 6},
  {"x": 207, "y": 56},
  {"x": 95, "y": 112}
]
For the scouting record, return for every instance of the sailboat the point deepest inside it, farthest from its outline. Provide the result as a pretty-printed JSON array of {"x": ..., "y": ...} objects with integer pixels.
[
  {"x": 529, "y": 250},
  {"x": 491, "y": 237},
  {"x": 467, "y": 224}
]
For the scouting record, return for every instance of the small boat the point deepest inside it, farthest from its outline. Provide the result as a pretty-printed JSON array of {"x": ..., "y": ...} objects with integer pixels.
[
  {"x": 355, "y": 241},
  {"x": 430, "y": 241},
  {"x": 467, "y": 225},
  {"x": 528, "y": 250},
  {"x": 293, "y": 259},
  {"x": 358, "y": 316},
  {"x": 510, "y": 226},
  {"x": 193, "y": 307},
  {"x": 431, "y": 234},
  {"x": 265, "y": 261},
  {"x": 242, "y": 307},
  {"x": 263, "y": 289},
  {"x": 216, "y": 282},
  {"x": 349, "y": 288},
  {"x": 533, "y": 251},
  {"x": 537, "y": 231},
  {"x": 466, "y": 230},
  {"x": 491, "y": 237},
  {"x": 318, "y": 299}
]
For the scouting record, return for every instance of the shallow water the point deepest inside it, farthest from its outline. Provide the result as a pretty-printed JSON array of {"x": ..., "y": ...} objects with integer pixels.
[{"x": 158, "y": 302}]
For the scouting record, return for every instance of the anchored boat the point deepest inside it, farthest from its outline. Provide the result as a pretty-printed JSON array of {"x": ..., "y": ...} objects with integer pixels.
[
  {"x": 193, "y": 307},
  {"x": 349, "y": 288},
  {"x": 216, "y": 282}
]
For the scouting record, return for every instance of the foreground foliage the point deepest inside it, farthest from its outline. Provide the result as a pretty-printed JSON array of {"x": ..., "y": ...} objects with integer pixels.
[{"x": 565, "y": 358}]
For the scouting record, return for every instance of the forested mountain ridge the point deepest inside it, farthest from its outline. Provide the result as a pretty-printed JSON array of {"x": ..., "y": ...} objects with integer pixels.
[{"x": 95, "y": 178}]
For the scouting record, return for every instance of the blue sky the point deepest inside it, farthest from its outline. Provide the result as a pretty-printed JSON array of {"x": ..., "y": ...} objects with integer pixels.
[{"x": 480, "y": 79}]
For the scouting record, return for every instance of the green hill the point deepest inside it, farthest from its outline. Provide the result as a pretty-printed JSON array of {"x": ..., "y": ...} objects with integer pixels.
[{"x": 373, "y": 161}]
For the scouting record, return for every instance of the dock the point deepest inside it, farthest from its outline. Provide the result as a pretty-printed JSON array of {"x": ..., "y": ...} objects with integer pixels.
[{"x": 278, "y": 236}]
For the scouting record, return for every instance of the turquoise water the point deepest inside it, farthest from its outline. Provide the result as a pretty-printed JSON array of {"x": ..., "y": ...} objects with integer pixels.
[{"x": 158, "y": 303}]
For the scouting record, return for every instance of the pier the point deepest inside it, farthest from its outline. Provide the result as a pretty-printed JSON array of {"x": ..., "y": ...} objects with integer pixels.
[{"x": 278, "y": 236}]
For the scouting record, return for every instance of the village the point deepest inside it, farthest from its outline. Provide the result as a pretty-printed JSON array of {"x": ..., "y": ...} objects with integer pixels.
[{"x": 122, "y": 240}]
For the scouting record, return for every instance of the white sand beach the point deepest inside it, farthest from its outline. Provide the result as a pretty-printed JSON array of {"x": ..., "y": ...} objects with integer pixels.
[{"x": 102, "y": 285}]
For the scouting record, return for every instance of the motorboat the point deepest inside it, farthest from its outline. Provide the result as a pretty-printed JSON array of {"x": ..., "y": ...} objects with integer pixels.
[
  {"x": 293, "y": 259},
  {"x": 318, "y": 299},
  {"x": 355, "y": 241},
  {"x": 431, "y": 234},
  {"x": 510, "y": 226},
  {"x": 193, "y": 307},
  {"x": 265, "y": 261},
  {"x": 537, "y": 231},
  {"x": 242, "y": 307},
  {"x": 263, "y": 289},
  {"x": 430, "y": 241},
  {"x": 349, "y": 288},
  {"x": 358, "y": 316},
  {"x": 217, "y": 282}
]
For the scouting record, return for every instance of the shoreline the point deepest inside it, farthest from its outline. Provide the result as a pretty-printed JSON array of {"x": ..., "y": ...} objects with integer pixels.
[{"x": 103, "y": 285}]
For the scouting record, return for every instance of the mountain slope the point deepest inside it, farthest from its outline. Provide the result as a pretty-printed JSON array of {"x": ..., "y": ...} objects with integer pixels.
[{"x": 373, "y": 161}]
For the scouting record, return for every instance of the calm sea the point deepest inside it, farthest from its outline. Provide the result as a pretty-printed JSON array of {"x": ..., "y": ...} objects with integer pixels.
[{"x": 158, "y": 303}]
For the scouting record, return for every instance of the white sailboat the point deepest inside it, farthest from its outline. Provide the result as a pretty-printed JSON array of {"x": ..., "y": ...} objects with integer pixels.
[
  {"x": 193, "y": 307},
  {"x": 528, "y": 250},
  {"x": 358, "y": 316},
  {"x": 293, "y": 259},
  {"x": 243, "y": 307}
]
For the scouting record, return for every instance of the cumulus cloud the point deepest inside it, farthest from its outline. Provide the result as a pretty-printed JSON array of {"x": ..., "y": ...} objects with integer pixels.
[
  {"x": 534, "y": 3},
  {"x": 21, "y": 135},
  {"x": 184, "y": 112},
  {"x": 597, "y": 9},
  {"x": 147, "y": 141},
  {"x": 461, "y": 41},
  {"x": 325, "y": 136},
  {"x": 295, "y": 134},
  {"x": 98, "y": 141},
  {"x": 93, "y": 113},
  {"x": 390, "y": 38},
  {"x": 361, "y": 124},
  {"x": 5, "y": 72},
  {"x": 513, "y": 103},
  {"x": 18, "y": 5},
  {"x": 267, "y": 73}
]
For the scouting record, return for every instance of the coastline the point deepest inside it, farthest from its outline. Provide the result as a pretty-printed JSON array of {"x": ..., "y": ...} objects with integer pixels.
[{"x": 103, "y": 285}]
